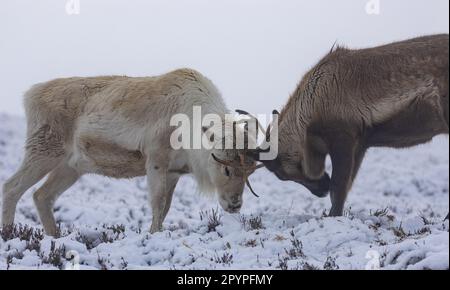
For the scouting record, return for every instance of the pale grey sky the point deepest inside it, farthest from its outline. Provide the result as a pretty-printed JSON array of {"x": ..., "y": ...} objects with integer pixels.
[{"x": 255, "y": 51}]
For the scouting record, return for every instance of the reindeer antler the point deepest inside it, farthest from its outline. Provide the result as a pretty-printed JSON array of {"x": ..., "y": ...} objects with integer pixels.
[
  {"x": 246, "y": 169},
  {"x": 241, "y": 112},
  {"x": 223, "y": 162},
  {"x": 247, "y": 173}
]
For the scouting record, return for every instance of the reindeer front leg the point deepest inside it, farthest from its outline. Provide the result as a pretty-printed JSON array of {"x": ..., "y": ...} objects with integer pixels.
[
  {"x": 343, "y": 157},
  {"x": 161, "y": 186}
]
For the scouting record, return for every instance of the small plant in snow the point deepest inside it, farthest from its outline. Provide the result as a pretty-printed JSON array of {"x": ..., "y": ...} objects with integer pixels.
[
  {"x": 31, "y": 236},
  {"x": 103, "y": 262},
  {"x": 383, "y": 213},
  {"x": 400, "y": 233},
  {"x": 112, "y": 233},
  {"x": 225, "y": 259},
  {"x": 116, "y": 229},
  {"x": 283, "y": 262},
  {"x": 309, "y": 267},
  {"x": 330, "y": 264},
  {"x": 212, "y": 217},
  {"x": 251, "y": 243},
  {"x": 23, "y": 233},
  {"x": 123, "y": 264},
  {"x": 88, "y": 241},
  {"x": 426, "y": 221},
  {"x": 296, "y": 251},
  {"x": 10, "y": 258},
  {"x": 56, "y": 256},
  {"x": 380, "y": 212},
  {"x": 252, "y": 223},
  {"x": 349, "y": 214}
]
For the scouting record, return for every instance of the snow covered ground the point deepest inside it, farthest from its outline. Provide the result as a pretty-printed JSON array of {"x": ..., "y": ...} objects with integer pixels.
[{"x": 394, "y": 220}]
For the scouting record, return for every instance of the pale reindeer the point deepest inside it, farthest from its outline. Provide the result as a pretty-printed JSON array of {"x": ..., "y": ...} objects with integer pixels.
[
  {"x": 120, "y": 127},
  {"x": 394, "y": 95}
]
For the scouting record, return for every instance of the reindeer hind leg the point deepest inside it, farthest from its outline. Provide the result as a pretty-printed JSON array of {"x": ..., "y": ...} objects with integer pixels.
[
  {"x": 44, "y": 151},
  {"x": 59, "y": 180}
]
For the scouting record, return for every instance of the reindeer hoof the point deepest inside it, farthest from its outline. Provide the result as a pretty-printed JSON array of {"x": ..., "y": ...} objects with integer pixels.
[{"x": 154, "y": 230}]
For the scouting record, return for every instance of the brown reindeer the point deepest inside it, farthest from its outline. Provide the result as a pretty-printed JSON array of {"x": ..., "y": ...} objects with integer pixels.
[{"x": 394, "y": 95}]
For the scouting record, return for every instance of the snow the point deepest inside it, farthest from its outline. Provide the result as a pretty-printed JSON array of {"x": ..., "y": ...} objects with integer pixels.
[{"x": 394, "y": 219}]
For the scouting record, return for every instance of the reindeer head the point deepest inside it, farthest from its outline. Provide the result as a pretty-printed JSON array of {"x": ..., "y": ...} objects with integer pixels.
[
  {"x": 289, "y": 164},
  {"x": 229, "y": 171},
  {"x": 231, "y": 176}
]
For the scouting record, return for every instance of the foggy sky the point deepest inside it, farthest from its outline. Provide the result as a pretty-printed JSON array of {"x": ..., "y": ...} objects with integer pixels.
[{"x": 255, "y": 51}]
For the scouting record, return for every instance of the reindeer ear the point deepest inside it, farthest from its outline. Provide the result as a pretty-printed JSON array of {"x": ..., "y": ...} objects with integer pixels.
[{"x": 209, "y": 134}]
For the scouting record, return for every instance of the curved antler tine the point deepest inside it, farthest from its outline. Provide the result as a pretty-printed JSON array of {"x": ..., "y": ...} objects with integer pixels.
[
  {"x": 246, "y": 173},
  {"x": 241, "y": 112},
  {"x": 250, "y": 187},
  {"x": 226, "y": 163}
]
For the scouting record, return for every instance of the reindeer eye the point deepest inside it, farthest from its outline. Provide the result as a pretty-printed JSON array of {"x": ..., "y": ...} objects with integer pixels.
[{"x": 227, "y": 172}]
